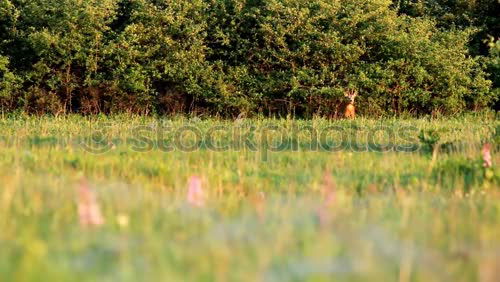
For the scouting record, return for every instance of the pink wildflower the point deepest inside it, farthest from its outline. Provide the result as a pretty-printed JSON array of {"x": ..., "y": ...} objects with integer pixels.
[
  {"x": 487, "y": 162},
  {"x": 328, "y": 199},
  {"x": 88, "y": 208},
  {"x": 259, "y": 202},
  {"x": 328, "y": 190},
  {"x": 195, "y": 194}
]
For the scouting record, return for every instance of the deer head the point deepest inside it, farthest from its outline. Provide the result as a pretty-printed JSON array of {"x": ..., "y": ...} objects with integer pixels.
[
  {"x": 350, "y": 110},
  {"x": 351, "y": 94}
]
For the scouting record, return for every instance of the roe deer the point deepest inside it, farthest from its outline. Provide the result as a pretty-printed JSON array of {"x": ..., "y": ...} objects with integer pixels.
[{"x": 350, "y": 110}]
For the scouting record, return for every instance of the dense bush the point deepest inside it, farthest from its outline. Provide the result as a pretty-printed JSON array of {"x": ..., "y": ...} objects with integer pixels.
[
  {"x": 480, "y": 15},
  {"x": 8, "y": 85},
  {"x": 306, "y": 54},
  {"x": 58, "y": 48},
  {"x": 494, "y": 67},
  {"x": 8, "y": 81},
  {"x": 229, "y": 56},
  {"x": 455, "y": 13}
]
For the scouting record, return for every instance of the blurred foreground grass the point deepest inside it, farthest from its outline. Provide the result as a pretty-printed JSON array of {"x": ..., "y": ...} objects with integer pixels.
[{"x": 402, "y": 211}]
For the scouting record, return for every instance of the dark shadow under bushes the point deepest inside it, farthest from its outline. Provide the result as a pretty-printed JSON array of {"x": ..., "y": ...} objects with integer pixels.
[{"x": 231, "y": 56}]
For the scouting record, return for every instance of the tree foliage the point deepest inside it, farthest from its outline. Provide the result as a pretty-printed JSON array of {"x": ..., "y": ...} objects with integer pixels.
[{"x": 229, "y": 56}]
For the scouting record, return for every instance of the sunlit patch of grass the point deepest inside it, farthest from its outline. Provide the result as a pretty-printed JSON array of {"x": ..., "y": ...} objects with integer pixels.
[{"x": 392, "y": 216}]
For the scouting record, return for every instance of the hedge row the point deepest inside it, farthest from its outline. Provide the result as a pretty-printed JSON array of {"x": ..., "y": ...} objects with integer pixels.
[{"x": 231, "y": 56}]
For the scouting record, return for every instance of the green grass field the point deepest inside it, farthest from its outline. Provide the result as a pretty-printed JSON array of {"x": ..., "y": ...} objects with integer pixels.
[{"x": 286, "y": 200}]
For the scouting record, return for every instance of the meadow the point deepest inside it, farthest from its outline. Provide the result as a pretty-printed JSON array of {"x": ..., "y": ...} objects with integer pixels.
[{"x": 284, "y": 199}]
